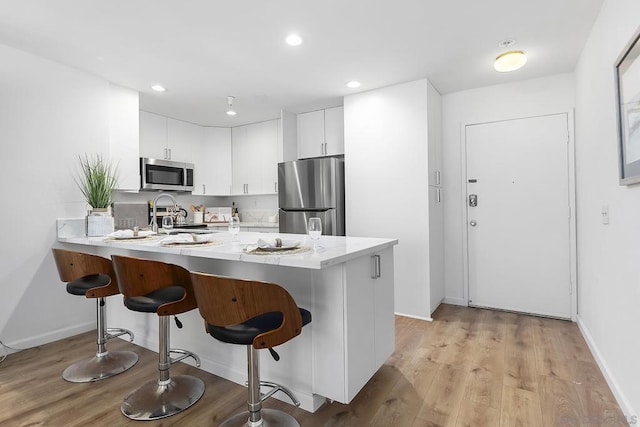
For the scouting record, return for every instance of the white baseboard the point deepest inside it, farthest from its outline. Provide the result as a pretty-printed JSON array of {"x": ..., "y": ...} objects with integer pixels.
[
  {"x": 622, "y": 400},
  {"x": 29, "y": 342},
  {"x": 455, "y": 301},
  {"x": 428, "y": 319}
]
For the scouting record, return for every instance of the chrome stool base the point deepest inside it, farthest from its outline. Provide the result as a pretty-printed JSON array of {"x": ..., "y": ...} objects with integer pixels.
[
  {"x": 100, "y": 367},
  {"x": 269, "y": 417},
  {"x": 153, "y": 400}
]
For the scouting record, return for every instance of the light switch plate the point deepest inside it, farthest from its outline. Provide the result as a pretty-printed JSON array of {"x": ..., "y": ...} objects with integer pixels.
[{"x": 605, "y": 214}]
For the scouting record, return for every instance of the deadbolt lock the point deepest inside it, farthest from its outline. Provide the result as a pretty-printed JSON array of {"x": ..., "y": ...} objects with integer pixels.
[{"x": 473, "y": 200}]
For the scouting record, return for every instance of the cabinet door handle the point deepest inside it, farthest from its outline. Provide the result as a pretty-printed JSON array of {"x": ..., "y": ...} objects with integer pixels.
[
  {"x": 438, "y": 199},
  {"x": 275, "y": 187},
  {"x": 375, "y": 266},
  {"x": 437, "y": 177},
  {"x": 204, "y": 189},
  {"x": 322, "y": 148}
]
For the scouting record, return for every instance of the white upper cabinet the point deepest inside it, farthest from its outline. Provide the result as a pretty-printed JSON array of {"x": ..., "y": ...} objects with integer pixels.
[
  {"x": 321, "y": 133},
  {"x": 334, "y": 131},
  {"x": 212, "y": 160},
  {"x": 153, "y": 135},
  {"x": 182, "y": 138},
  {"x": 254, "y": 155},
  {"x": 123, "y": 136},
  {"x": 169, "y": 139}
]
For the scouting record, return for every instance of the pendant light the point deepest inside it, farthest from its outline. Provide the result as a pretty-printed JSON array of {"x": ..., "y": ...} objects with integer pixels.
[{"x": 230, "y": 110}]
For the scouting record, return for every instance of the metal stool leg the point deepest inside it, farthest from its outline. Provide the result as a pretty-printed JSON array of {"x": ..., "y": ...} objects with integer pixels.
[
  {"x": 256, "y": 416},
  {"x": 168, "y": 395},
  {"x": 104, "y": 364}
]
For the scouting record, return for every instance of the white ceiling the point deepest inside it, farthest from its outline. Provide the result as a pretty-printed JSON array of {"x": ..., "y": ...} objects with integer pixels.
[{"x": 205, "y": 50}]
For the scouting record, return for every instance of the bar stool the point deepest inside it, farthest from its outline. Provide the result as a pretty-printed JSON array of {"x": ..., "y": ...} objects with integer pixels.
[
  {"x": 92, "y": 276},
  {"x": 258, "y": 315},
  {"x": 165, "y": 289}
]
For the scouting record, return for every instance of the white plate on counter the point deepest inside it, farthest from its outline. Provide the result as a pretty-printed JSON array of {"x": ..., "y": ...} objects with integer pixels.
[{"x": 286, "y": 245}]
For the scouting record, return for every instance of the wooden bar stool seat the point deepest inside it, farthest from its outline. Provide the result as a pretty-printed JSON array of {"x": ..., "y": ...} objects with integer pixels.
[
  {"x": 165, "y": 289},
  {"x": 92, "y": 276},
  {"x": 256, "y": 314}
]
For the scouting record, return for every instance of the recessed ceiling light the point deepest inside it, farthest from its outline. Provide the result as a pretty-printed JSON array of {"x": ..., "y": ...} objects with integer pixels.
[
  {"x": 293, "y": 40},
  {"x": 158, "y": 88},
  {"x": 510, "y": 61},
  {"x": 353, "y": 84}
]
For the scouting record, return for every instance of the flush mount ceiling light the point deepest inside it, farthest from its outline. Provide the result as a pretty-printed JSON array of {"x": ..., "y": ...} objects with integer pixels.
[
  {"x": 510, "y": 61},
  {"x": 230, "y": 110},
  {"x": 293, "y": 40},
  {"x": 158, "y": 88},
  {"x": 353, "y": 84}
]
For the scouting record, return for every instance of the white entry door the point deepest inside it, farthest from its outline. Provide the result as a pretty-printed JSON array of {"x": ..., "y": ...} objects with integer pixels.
[{"x": 518, "y": 215}]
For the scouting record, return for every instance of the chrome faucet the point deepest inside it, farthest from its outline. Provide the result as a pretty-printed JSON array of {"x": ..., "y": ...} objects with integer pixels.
[{"x": 154, "y": 219}]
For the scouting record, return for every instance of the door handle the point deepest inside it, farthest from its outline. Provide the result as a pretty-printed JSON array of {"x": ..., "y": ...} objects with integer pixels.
[
  {"x": 473, "y": 200},
  {"x": 473, "y": 223}
]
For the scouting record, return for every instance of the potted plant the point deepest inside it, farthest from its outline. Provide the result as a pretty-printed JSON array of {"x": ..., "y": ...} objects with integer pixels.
[{"x": 97, "y": 179}]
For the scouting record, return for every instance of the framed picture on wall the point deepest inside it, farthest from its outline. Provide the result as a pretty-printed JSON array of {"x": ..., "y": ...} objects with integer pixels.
[{"x": 628, "y": 100}]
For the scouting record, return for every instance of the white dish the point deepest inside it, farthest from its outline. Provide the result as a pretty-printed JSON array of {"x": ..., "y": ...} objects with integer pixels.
[
  {"x": 200, "y": 242},
  {"x": 131, "y": 237},
  {"x": 286, "y": 245}
]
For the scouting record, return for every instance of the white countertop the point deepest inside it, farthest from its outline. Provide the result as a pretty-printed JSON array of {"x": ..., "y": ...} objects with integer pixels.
[{"x": 334, "y": 249}]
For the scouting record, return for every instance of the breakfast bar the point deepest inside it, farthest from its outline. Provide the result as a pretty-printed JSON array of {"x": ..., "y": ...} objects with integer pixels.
[{"x": 347, "y": 285}]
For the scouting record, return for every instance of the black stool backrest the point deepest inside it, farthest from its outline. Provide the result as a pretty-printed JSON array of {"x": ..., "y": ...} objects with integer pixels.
[
  {"x": 138, "y": 277},
  {"x": 74, "y": 265},
  {"x": 224, "y": 301}
]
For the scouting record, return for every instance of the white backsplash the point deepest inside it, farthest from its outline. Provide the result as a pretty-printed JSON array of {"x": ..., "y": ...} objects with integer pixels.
[{"x": 257, "y": 215}]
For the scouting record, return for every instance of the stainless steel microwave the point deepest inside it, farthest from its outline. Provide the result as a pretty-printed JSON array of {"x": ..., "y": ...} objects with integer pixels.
[{"x": 156, "y": 174}]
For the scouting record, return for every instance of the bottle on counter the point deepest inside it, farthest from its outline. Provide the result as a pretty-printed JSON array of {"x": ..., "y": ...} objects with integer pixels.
[{"x": 234, "y": 209}]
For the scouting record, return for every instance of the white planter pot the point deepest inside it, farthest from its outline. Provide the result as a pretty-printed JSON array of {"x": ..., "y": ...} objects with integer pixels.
[{"x": 100, "y": 223}]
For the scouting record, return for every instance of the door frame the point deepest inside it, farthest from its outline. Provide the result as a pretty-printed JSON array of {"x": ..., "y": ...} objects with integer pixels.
[{"x": 573, "y": 270}]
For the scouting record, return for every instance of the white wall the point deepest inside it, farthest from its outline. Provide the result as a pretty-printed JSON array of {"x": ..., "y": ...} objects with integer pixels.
[
  {"x": 48, "y": 115},
  {"x": 608, "y": 267},
  {"x": 528, "y": 98},
  {"x": 386, "y": 182}
]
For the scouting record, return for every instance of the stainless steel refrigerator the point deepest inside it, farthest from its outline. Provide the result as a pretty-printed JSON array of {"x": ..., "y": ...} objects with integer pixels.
[{"x": 312, "y": 188}]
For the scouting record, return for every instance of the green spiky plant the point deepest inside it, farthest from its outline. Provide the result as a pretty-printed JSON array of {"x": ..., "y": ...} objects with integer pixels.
[{"x": 97, "y": 178}]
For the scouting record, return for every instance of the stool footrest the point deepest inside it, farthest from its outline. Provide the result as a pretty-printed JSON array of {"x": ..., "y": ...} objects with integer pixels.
[
  {"x": 117, "y": 332},
  {"x": 274, "y": 389},
  {"x": 184, "y": 354}
]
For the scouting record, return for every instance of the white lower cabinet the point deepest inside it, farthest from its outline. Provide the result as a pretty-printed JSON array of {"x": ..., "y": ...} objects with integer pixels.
[
  {"x": 362, "y": 332},
  {"x": 254, "y": 153}
]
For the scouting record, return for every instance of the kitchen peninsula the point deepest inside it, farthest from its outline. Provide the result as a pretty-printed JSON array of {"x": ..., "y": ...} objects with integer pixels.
[{"x": 347, "y": 286}]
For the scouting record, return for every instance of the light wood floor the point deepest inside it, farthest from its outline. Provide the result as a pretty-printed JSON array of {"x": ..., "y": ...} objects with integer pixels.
[{"x": 468, "y": 367}]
